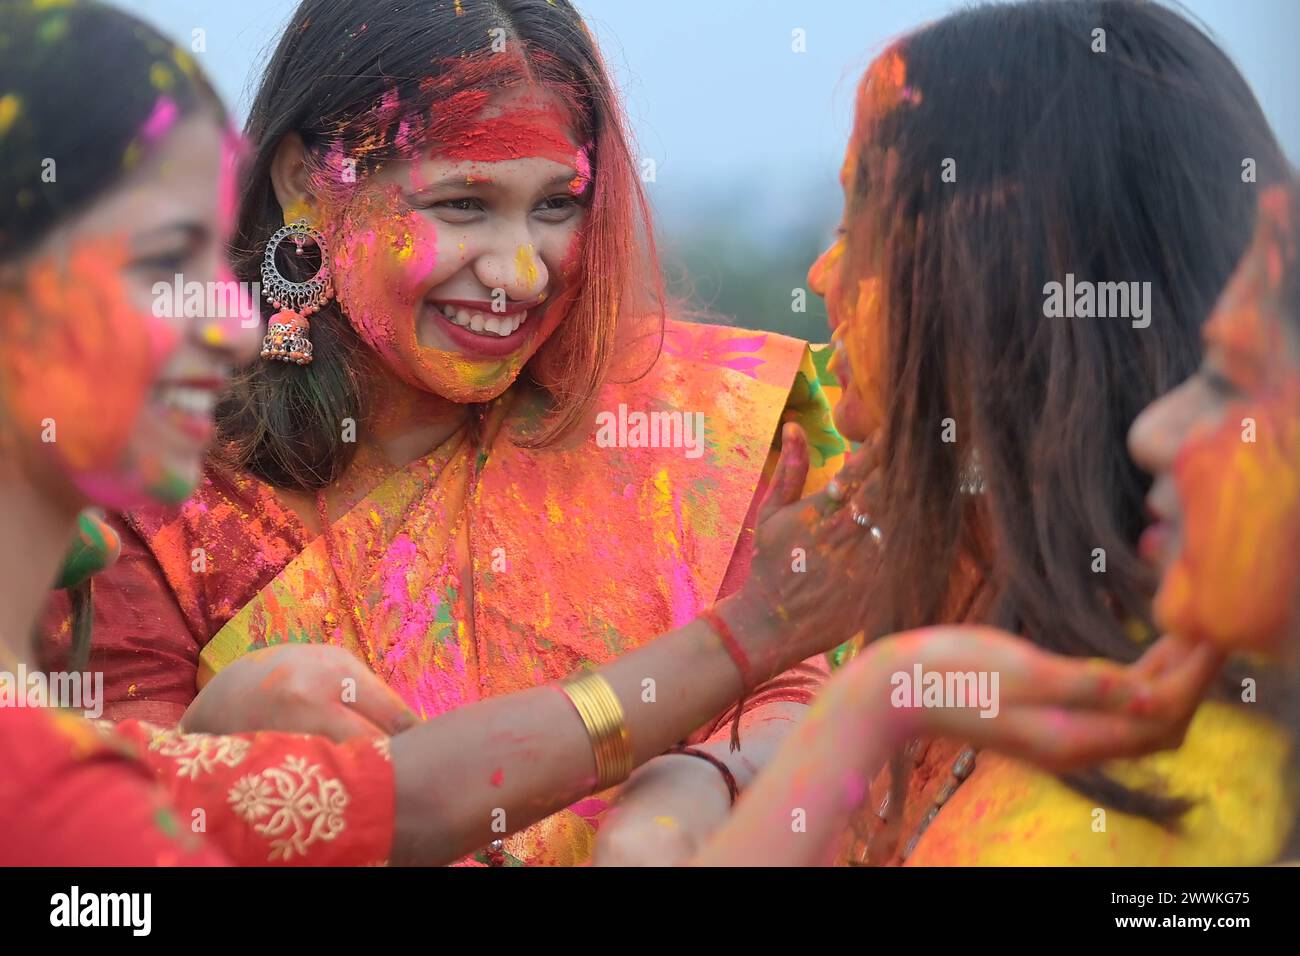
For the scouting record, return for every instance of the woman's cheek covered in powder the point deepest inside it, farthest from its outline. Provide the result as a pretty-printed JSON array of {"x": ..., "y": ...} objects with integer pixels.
[
  {"x": 384, "y": 256},
  {"x": 79, "y": 370},
  {"x": 1239, "y": 480},
  {"x": 1241, "y": 514}
]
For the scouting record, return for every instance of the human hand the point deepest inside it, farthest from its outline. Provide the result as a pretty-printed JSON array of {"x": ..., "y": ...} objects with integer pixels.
[{"x": 299, "y": 688}]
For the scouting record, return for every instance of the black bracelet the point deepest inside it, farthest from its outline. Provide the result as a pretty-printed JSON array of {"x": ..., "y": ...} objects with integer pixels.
[{"x": 722, "y": 768}]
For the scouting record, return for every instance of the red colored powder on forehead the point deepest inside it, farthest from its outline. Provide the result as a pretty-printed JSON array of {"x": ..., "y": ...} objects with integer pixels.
[
  {"x": 517, "y": 133},
  {"x": 493, "y": 113},
  {"x": 487, "y": 107},
  {"x": 492, "y": 107}
]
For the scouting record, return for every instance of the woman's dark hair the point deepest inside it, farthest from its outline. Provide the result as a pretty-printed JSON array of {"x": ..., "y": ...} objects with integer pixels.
[
  {"x": 1000, "y": 149},
  {"x": 78, "y": 83},
  {"x": 354, "y": 82}
]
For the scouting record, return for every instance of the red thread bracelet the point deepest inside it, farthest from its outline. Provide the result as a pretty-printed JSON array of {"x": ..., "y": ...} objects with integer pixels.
[
  {"x": 738, "y": 655},
  {"x": 720, "y": 627}
]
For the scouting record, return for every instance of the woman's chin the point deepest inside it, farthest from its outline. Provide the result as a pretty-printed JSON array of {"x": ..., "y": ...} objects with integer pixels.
[
  {"x": 851, "y": 418},
  {"x": 1208, "y": 611},
  {"x": 465, "y": 381},
  {"x": 132, "y": 488},
  {"x": 177, "y": 483}
]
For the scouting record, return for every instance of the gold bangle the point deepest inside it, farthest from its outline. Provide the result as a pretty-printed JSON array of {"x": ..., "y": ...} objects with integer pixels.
[{"x": 602, "y": 715}]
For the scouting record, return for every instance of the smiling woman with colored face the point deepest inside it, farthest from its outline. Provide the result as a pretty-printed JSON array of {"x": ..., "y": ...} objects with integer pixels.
[
  {"x": 486, "y": 239},
  {"x": 1224, "y": 448},
  {"x": 105, "y": 399},
  {"x": 413, "y": 470}
]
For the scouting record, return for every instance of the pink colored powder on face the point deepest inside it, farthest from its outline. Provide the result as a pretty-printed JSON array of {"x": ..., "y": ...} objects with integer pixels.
[
  {"x": 383, "y": 253},
  {"x": 161, "y": 120},
  {"x": 582, "y": 163}
]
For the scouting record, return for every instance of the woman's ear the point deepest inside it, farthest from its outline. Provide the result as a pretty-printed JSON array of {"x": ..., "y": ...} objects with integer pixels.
[{"x": 289, "y": 176}]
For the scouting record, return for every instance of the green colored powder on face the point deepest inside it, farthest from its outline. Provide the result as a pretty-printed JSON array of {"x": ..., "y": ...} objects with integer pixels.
[{"x": 172, "y": 490}]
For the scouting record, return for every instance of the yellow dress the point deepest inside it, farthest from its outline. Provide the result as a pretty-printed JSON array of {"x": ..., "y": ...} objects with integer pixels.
[{"x": 1233, "y": 766}]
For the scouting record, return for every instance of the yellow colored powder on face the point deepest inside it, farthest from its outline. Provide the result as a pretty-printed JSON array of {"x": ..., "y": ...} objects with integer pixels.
[
  {"x": 526, "y": 266},
  {"x": 407, "y": 249}
]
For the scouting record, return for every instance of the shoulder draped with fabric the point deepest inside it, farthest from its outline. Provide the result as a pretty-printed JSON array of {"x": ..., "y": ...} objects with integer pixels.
[{"x": 485, "y": 567}]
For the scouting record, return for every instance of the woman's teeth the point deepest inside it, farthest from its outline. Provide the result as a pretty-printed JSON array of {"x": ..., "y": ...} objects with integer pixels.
[
  {"x": 500, "y": 325},
  {"x": 190, "y": 401}
]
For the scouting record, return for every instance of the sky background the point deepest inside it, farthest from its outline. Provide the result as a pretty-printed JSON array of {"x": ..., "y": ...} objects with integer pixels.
[{"x": 746, "y": 134}]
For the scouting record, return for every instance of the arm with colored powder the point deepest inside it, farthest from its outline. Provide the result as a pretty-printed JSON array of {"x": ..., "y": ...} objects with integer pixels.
[
  {"x": 1058, "y": 712},
  {"x": 455, "y": 782},
  {"x": 669, "y": 807},
  {"x": 439, "y": 790}
]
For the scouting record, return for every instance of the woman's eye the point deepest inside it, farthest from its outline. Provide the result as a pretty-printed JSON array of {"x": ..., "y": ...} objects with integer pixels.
[
  {"x": 463, "y": 209},
  {"x": 1219, "y": 384},
  {"x": 163, "y": 264},
  {"x": 557, "y": 208},
  {"x": 464, "y": 205}
]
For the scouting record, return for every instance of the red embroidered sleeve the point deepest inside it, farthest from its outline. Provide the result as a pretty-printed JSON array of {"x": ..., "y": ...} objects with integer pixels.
[
  {"x": 276, "y": 798},
  {"x": 70, "y": 797}
]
